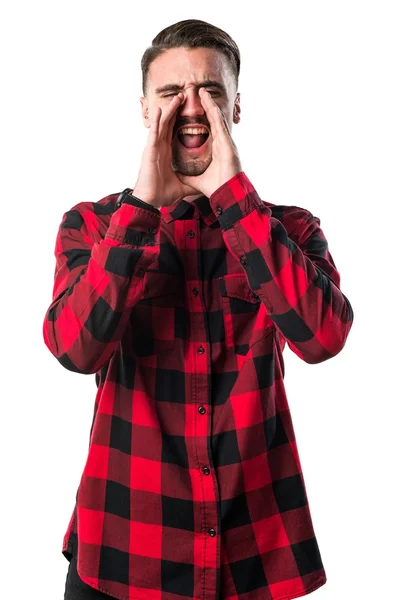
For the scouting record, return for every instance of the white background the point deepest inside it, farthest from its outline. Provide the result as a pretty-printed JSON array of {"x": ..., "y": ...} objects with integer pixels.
[{"x": 320, "y": 129}]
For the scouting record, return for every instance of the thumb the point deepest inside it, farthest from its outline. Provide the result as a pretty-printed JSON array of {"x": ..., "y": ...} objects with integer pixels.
[
  {"x": 189, "y": 184},
  {"x": 183, "y": 178}
]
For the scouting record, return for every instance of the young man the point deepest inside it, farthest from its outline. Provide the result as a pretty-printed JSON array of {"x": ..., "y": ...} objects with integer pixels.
[{"x": 180, "y": 295}]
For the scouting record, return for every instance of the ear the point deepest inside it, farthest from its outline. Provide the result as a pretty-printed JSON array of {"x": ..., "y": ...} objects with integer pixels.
[
  {"x": 145, "y": 112},
  {"x": 236, "y": 109}
]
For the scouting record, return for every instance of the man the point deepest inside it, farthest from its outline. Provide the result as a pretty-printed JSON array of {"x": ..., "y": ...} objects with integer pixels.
[{"x": 180, "y": 295}]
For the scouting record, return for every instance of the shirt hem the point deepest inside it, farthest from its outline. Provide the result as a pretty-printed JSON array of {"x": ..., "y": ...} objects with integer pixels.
[
  {"x": 319, "y": 583},
  {"x": 308, "y": 590}
]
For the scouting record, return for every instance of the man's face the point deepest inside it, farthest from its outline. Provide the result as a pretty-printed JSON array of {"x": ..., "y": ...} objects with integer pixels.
[{"x": 186, "y": 70}]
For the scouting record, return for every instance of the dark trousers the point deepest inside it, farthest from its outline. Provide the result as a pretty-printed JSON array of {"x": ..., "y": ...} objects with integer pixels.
[{"x": 76, "y": 589}]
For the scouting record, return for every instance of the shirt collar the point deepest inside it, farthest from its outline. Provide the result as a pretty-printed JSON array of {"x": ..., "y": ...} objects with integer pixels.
[{"x": 184, "y": 210}]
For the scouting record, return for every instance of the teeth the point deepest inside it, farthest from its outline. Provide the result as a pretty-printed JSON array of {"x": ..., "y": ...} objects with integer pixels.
[{"x": 192, "y": 130}]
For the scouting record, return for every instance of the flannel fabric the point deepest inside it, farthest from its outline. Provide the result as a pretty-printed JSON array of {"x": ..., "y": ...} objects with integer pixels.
[{"x": 192, "y": 487}]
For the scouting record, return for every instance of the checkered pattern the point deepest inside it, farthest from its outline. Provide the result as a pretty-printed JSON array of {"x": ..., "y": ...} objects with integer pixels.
[{"x": 193, "y": 487}]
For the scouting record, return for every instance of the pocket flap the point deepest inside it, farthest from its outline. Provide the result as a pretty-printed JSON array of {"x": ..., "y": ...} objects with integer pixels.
[{"x": 237, "y": 286}]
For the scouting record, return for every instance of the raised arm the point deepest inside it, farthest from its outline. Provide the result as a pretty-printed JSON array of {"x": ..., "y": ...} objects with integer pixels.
[
  {"x": 295, "y": 277},
  {"x": 97, "y": 281}
]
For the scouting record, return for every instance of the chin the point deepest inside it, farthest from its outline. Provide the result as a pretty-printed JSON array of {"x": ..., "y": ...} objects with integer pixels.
[{"x": 191, "y": 167}]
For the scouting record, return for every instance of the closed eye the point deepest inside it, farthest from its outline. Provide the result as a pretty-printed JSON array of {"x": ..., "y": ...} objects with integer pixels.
[{"x": 174, "y": 94}]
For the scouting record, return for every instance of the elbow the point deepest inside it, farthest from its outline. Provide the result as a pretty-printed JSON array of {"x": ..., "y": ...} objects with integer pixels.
[
  {"x": 84, "y": 358},
  {"x": 84, "y": 368},
  {"x": 336, "y": 341},
  {"x": 321, "y": 356},
  {"x": 322, "y": 346},
  {"x": 336, "y": 336}
]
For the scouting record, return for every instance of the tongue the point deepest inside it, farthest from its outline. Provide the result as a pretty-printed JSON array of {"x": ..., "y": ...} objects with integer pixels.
[{"x": 193, "y": 141}]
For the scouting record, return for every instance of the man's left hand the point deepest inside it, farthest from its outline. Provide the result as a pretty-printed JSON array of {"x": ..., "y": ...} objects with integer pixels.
[{"x": 225, "y": 162}]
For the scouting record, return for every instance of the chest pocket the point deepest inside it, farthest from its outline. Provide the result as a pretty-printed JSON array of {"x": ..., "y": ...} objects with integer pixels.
[
  {"x": 245, "y": 317},
  {"x": 156, "y": 319}
]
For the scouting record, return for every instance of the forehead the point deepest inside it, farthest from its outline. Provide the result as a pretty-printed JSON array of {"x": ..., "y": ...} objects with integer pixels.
[{"x": 186, "y": 66}]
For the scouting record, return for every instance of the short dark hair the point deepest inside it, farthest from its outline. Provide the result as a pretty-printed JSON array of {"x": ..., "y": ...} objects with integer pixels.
[{"x": 191, "y": 33}]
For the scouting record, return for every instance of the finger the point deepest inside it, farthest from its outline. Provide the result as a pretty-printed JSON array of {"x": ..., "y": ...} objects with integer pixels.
[
  {"x": 154, "y": 126},
  {"x": 172, "y": 121},
  {"x": 158, "y": 119},
  {"x": 214, "y": 114},
  {"x": 189, "y": 183},
  {"x": 167, "y": 116},
  {"x": 205, "y": 99}
]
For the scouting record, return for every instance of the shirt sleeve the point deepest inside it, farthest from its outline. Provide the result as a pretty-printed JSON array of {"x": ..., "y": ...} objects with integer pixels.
[
  {"x": 97, "y": 281},
  {"x": 294, "y": 276}
]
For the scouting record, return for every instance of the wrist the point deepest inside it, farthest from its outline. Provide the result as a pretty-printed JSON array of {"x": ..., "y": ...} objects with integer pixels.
[{"x": 140, "y": 196}]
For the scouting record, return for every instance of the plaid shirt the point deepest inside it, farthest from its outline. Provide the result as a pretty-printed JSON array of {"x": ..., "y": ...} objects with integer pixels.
[{"x": 193, "y": 487}]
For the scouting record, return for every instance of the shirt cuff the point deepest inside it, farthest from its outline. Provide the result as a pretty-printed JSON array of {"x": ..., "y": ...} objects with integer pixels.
[
  {"x": 135, "y": 201},
  {"x": 235, "y": 199}
]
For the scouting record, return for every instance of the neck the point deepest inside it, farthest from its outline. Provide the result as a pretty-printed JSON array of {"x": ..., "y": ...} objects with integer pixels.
[{"x": 192, "y": 197}]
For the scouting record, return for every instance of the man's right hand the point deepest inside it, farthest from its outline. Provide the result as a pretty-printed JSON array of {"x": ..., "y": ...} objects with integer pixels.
[{"x": 157, "y": 183}]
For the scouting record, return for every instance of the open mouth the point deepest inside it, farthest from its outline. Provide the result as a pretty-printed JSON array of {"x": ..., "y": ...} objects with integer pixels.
[{"x": 193, "y": 141}]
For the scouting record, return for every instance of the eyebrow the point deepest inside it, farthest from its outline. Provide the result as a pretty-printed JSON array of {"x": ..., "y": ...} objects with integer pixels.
[{"x": 174, "y": 87}]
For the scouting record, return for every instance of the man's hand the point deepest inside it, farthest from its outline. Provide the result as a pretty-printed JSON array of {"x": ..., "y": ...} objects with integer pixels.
[
  {"x": 157, "y": 182},
  {"x": 225, "y": 162}
]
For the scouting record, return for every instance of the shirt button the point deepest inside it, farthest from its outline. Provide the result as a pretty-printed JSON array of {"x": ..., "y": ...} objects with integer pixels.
[
  {"x": 201, "y": 350},
  {"x": 195, "y": 291},
  {"x": 212, "y": 532},
  {"x": 153, "y": 230},
  {"x": 140, "y": 272},
  {"x": 206, "y": 471},
  {"x": 219, "y": 210},
  {"x": 243, "y": 260},
  {"x": 201, "y": 410},
  {"x": 191, "y": 234}
]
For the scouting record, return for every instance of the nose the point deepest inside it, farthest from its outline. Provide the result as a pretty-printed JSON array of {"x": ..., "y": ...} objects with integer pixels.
[{"x": 191, "y": 105}]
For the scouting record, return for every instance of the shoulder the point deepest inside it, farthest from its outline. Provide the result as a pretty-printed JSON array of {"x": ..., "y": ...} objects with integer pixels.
[
  {"x": 105, "y": 205},
  {"x": 294, "y": 218},
  {"x": 90, "y": 216}
]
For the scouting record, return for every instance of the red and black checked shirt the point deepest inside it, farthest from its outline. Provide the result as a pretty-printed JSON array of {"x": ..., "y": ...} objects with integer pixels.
[{"x": 193, "y": 487}]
